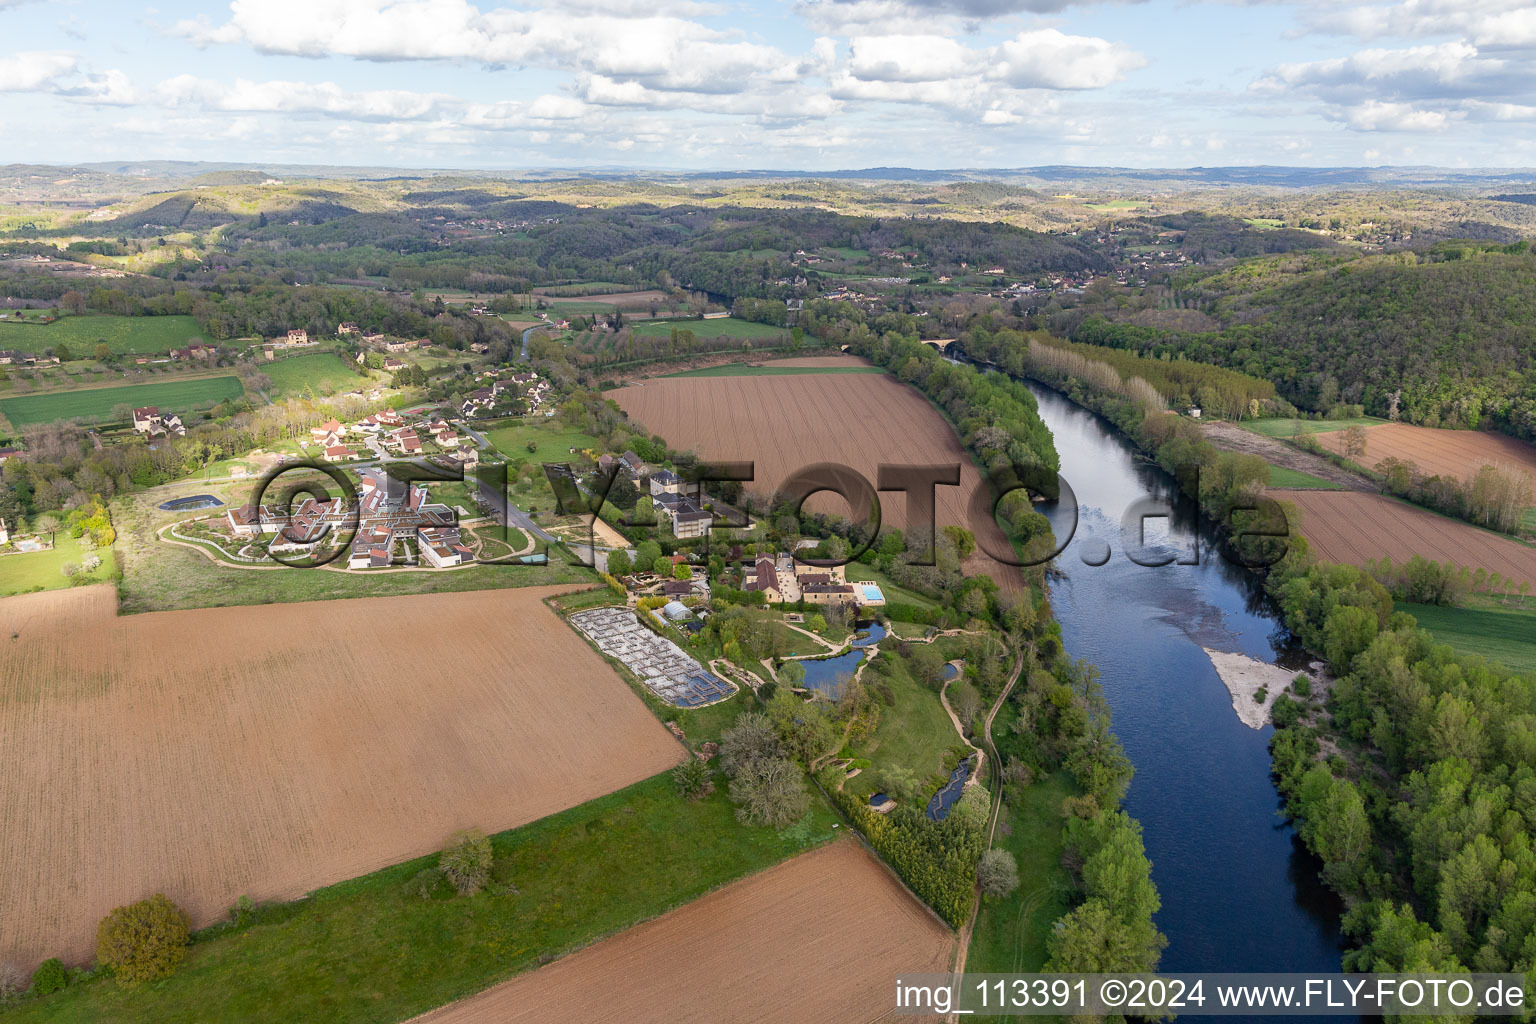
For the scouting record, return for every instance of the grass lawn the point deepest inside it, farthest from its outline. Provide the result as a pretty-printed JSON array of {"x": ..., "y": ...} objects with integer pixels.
[
  {"x": 325, "y": 372},
  {"x": 1280, "y": 476},
  {"x": 858, "y": 572},
  {"x": 745, "y": 370},
  {"x": 1285, "y": 428},
  {"x": 123, "y": 334},
  {"x": 95, "y": 405},
  {"x": 551, "y": 444},
  {"x": 366, "y": 950},
  {"x": 1010, "y": 933},
  {"x": 914, "y": 734},
  {"x": 39, "y": 570},
  {"x": 725, "y": 327},
  {"x": 1506, "y": 634}
]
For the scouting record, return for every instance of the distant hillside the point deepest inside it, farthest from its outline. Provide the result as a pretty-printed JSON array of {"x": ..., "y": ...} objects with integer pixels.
[{"x": 1451, "y": 331}]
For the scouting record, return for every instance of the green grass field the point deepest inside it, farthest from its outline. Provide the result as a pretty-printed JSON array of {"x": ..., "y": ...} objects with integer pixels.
[
  {"x": 550, "y": 445},
  {"x": 727, "y": 327},
  {"x": 123, "y": 334},
  {"x": 40, "y": 570},
  {"x": 1285, "y": 428},
  {"x": 1280, "y": 476},
  {"x": 366, "y": 950},
  {"x": 858, "y": 572},
  {"x": 1010, "y": 933},
  {"x": 914, "y": 734},
  {"x": 1119, "y": 204},
  {"x": 95, "y": 405},
  {"x": 744, "y": 370},
  {"x": 1263, "y": 222},
  {"x": 325, "y": 372},
  {"x": 1506, "y": 634}
]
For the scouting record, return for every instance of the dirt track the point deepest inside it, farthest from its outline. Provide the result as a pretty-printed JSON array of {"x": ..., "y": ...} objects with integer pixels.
[
  {"x": 1347, "y": 527},
  {"x": 819, "y": 938},
  {"x": 786, "y": 423},
  {"x": 274, "y": 749},
  {"x": 1230, "y": 437}
]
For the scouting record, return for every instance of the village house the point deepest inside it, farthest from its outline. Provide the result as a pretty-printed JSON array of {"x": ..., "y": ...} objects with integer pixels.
[
  {"x": 150, "y": 422},
  {"x": 347, "y": 327},
  {"x": 339, "y": 453}
]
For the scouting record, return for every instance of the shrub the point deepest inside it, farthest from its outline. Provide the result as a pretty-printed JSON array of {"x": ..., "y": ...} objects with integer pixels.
[
  {"x": 997, "y": 873},
  {"x": 13, "y": 981},
  {"x": 242, "y": 911},
  {"x": 49, "y": 977},
  {"x": 423, "y": 884},
  {"x": 143, "y": 941},
  {"x": 1301, "y": 686},
  {"x": 693, "y": 779},
  {"x": 466, "y": 861}
]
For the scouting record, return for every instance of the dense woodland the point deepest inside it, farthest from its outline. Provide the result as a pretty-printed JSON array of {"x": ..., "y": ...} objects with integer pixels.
[{"x": 1443, "y": 338}]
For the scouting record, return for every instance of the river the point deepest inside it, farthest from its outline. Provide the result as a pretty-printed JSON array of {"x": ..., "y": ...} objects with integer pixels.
[{"x": 1239, "y": 891}]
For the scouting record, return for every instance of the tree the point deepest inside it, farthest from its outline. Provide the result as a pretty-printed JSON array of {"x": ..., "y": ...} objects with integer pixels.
[
  {"x": 62, "y": 351},
  {"x": 466, "y": 861},
  {"x": 143, "y": 941},
  {"x": 997, "y": 873},
  {"x": 103, "y": 352},
  {"x": 662, "y": 566},
  {"x": 1353, "y": 439},
  {"x": 817, "y": 623},
  {"x": 770, "y": 791},
  {"x": 682, "y": 571},
  {"x": 619, "y": 563},
  {"x": 646, "y": 554},
  {"x": 752, "y": 737}
]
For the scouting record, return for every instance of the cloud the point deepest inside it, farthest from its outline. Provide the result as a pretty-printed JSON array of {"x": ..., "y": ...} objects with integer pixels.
[
  {"x": 35, "y": 70},
  {"x": 1049, "y": 59},
  {"x": 290, "y": 97},
  {"x": 1491, "y": 24},
  {"x": 1413, "y": 89},
  {"x": 903, "y": 17}
]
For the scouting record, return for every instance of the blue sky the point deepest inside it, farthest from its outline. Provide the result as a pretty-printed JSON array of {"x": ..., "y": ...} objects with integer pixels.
[{"x": 815, "y": 84}]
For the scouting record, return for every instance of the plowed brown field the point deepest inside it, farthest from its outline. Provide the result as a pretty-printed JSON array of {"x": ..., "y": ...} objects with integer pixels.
[
  {"x": 819, "y": 938},
  {"x": 841, "y": 359},
  {"x": 1348, "y": 526},
  {"x": 786, "y": 423},
  {"x": 1452, "y": 453},
  {"x": 270, "y": 750}
]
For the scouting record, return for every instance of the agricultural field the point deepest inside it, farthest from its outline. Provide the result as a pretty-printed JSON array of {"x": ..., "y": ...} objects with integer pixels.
[
  {"x": 1285, "y": 478},
  {"x": 1353, "y": 527},
  {"x": 727, "y": 327},
  {"x": 1451, "y": 453},
  {"x": 557, "y": 885},
  {"x": 773, "y": 369},
  {"x": 43, "y": 570},
  {"x": 267, "y": 751},
  {"x": 323, "y": 372},
  {"x": 124, "y": 335},
  {"x": 1286, "y": 428},
  {"x": 818, "y": 938},
  {"x": 95, "y": 405},
  {"x": 784, "y": 424},
  {"x": 1499, "y": 631}
]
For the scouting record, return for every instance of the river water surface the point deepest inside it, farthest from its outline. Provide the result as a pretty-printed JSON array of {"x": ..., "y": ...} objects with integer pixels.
[{"x": 1239, "y": 891}]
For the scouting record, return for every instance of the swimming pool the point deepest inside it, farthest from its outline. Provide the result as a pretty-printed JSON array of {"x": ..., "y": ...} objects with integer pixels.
[
  {"x": 872, "y": 594},
  {"x": 191, "y": 501}
]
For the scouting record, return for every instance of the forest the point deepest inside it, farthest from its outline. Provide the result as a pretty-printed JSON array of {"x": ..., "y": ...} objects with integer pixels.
[{"x": 1445, "y": 337}]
